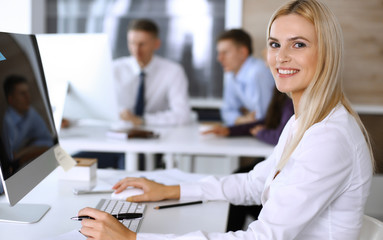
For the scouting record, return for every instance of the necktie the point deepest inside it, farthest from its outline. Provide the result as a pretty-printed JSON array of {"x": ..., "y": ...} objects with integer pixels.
[{"x": 139, "y": 108}]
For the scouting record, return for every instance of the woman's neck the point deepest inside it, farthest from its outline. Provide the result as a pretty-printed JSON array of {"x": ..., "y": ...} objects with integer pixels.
[{"x": 296, "y": 99}]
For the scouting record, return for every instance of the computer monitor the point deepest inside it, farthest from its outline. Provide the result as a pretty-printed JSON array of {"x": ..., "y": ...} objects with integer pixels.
[
  {"x": 84, "y": 61},
  {"x": 28, "y": 136}
]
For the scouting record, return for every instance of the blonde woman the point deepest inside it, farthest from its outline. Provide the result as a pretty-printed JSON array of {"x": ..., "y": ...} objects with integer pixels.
[{"x": 316, "y": 182}]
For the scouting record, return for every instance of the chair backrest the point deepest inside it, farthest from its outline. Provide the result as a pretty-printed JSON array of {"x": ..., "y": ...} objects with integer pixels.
[{"x": 372, "y": 229}]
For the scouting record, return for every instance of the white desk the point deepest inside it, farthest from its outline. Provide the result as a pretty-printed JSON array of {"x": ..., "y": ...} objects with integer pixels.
[
  {"x": 211, "y": 216},
  {"x": 173, "y": 140}
]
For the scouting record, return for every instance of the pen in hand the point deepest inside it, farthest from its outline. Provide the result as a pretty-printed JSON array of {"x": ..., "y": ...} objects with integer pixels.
[{"x": 120, "y": 216}]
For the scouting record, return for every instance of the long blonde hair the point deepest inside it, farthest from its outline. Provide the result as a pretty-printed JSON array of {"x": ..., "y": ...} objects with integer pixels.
[{"x": 325, "y": 90}]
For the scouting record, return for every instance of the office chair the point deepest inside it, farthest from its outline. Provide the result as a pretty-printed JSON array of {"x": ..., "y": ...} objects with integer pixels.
[{"x": 372, "y": 229}]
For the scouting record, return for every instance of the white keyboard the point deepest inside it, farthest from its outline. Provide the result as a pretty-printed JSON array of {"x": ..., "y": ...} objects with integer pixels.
[{"x": 120, "y": 206}]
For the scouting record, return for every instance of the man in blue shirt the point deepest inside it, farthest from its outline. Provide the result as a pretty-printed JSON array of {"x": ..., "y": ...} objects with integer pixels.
[{"x": 248, "y": 85}]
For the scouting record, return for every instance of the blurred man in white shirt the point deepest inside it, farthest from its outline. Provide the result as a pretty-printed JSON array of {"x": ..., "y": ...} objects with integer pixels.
[{"x": 165, "y": 83}]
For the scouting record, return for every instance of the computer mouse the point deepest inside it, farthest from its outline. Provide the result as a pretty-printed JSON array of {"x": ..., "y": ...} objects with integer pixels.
[{"x": 127, "y": 193}]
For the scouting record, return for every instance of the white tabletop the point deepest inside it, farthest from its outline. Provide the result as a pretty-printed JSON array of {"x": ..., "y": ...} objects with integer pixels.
[
  {"x": 172, "y": 140},
  {"x": 211, "y": 216}
]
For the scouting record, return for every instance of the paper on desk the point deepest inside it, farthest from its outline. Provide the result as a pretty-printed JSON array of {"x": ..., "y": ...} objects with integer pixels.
[
  {"x": 167, "y": 177},
  {"x": 64, "y": 159},
  {"x": 174, "y": 176},
  {"x": 72, "y": 235}
]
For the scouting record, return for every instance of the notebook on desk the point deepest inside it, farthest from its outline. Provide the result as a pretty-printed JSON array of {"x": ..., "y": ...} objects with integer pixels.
[{"x": 133, "y": 133}]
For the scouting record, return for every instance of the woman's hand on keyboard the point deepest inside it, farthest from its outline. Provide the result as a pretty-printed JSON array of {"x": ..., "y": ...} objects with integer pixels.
[
  {"x": 153, "y": 191},
  {"x": 103, "y": 226}
]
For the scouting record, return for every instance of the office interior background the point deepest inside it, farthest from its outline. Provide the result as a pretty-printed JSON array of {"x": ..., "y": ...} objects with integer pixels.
[{"x": 189, "y": 29}]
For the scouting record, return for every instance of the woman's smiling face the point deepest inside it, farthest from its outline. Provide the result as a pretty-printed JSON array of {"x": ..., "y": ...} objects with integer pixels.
[{"x": 292, "y": 54}]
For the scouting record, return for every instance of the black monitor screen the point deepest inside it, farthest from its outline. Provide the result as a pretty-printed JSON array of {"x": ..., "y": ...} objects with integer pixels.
[{"x": 27, "y": 129}]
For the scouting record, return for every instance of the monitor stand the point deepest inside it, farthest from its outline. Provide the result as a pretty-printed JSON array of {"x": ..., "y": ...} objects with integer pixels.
[{"x": 22, "y": 212}]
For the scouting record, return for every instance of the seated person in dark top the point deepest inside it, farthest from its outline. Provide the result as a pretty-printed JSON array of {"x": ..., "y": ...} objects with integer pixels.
[{"x": 267, "y": 130}]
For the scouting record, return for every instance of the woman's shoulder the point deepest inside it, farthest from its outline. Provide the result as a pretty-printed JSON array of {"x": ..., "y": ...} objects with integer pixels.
[
  {"x": 340, "y": 121},
  {"x": 339, "y": 130},
  {"x": 337, "y": 142}
]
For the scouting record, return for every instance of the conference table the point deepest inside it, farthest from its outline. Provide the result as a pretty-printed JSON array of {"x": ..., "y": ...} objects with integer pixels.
[
  {"x": 172, "y": 141},
  {"x": 58, "y": 194}
]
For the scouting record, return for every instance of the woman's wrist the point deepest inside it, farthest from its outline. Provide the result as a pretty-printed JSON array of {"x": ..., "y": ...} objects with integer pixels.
[{"x": 173, "y": 192}]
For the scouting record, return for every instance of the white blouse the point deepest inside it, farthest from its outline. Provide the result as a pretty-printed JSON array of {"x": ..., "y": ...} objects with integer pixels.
[
  {"x": 319, "y": 194},
  {"x": 166, "y": 90}
]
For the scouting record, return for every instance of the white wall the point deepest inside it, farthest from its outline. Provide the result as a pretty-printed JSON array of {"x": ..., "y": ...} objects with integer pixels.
[{"x": 22, "y": 16}]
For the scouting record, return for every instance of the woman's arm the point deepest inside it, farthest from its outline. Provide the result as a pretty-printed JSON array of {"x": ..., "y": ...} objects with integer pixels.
[{"x": 242, "y": 129}]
